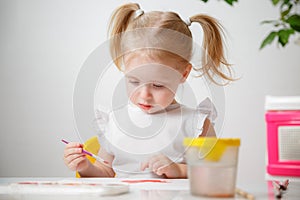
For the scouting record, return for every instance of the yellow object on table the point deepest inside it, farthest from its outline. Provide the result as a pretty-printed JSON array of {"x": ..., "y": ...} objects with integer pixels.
[{"x": 92, "y": 145}]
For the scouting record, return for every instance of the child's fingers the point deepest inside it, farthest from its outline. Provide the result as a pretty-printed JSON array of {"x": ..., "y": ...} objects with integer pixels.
[
  {"x": 162, "y": 170},
  {"x": 150, "y": 164},
  {"x": 71, "y": 158},
  {"x": 73, "y": 155},
  {"x": 74, "y": 145},
  {"x": 160, "y": 161},
  {"x": 157, "y": 165},
  {"x": 70, "y": 154},
  {"x": 73, "y": 165},
  {"x": 144, "y": 165},
  {"x": 155, "y": 162},
  {"x": 72, "y": 151}
]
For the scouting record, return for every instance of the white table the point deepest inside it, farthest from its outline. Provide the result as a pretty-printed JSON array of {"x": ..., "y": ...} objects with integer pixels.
[{"x": 172, "y": 189}]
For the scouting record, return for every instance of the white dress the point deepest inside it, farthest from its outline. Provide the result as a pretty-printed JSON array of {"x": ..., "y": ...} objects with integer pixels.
[{"x": 133, "y": 136}]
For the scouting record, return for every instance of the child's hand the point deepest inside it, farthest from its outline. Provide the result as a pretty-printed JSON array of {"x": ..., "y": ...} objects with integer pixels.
[
  {"x": 74, "y": 158},
  {"x": 162, "y": 165}
]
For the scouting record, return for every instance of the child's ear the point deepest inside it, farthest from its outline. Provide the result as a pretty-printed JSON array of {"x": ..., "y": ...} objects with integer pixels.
[{"x": 186, "y": 73}]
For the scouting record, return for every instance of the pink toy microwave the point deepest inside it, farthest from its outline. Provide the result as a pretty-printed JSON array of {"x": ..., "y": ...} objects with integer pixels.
[{"x": 283, "y": 135}]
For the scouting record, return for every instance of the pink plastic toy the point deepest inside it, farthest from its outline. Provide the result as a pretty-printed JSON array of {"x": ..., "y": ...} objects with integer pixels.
[{"x": 283, "y": 135}]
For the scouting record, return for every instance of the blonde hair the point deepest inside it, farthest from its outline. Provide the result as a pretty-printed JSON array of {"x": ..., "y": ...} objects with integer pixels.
[{"x": 156, "y": 23}]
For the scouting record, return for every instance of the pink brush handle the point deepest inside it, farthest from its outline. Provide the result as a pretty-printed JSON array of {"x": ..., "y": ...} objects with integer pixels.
[{"x": 88, "y": 153}]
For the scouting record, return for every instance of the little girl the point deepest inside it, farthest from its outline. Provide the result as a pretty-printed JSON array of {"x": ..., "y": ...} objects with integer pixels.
[{"x": 145, "y": 136}]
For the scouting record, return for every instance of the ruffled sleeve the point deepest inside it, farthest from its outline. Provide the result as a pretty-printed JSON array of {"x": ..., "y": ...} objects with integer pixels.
[
  {"x": 101, "y": 121},
  {"x": 193, "y": 123},
  {"x": 208, "y": 108},
  {"x": 101, "y": 125}
]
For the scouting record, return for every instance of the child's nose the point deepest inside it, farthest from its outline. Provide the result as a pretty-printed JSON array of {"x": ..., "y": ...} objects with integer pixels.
[{"x": 145, "y": 91}]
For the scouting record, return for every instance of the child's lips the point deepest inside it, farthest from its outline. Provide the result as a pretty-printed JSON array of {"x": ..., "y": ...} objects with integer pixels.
[{"x": 145, "y": 106}]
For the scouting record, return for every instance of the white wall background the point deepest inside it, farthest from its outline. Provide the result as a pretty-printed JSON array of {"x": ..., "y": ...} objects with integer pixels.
[{"x": 44, "y": 44}]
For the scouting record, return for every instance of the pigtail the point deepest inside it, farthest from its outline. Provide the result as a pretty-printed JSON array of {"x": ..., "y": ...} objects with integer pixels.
[
  {"x": 213, "y": 56},
  {"x": 119, "y": 22}
]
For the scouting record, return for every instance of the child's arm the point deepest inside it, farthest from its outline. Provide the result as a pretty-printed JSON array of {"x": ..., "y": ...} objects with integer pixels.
[
  {"x": 77, "y": 161},
  {"x": 99, "y": 169},
  {"x": 162, "y": 165},
  {"x": 208, "y": 129}
]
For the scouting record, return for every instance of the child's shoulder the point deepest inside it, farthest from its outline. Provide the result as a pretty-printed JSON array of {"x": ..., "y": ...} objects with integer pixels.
[{"x": 205, "y": 107}]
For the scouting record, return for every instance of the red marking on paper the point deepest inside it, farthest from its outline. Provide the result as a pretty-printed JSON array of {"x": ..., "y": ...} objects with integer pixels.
[
  {"x": 145, "y": 181},
  {"x": 28, "y": 183}
]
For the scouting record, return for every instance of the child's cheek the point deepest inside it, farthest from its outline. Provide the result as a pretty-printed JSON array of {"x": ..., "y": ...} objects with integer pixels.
[{"x": 166, "y": 98}]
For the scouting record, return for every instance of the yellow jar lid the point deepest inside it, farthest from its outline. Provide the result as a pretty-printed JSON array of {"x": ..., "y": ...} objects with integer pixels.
[
  {"x": 200, "y": 141},
  {"x": 212, "y": 147}
]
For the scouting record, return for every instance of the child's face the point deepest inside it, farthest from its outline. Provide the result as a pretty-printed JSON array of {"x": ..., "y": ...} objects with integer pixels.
[{"x": 151, "y": 83}]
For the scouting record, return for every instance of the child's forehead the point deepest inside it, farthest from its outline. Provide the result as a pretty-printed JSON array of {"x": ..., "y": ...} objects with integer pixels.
[
  {"x": 137, "y": 59},
  {"x": 150, "y": 72}
]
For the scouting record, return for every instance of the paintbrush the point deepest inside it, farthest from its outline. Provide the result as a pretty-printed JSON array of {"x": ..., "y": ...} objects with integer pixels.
[
  {"x": 244, "y": 194},
  {"x": 90, "y": 154}
]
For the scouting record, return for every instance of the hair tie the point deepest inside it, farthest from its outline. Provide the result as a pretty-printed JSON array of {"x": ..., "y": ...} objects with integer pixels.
[
  {"x": 187, "y": 21},
  {"x": 138, "y": 13}
]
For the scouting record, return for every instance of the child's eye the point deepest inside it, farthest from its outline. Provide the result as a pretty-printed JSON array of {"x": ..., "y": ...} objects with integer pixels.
[
  {"x": 134, "y": 82},
  {"x": 157, "y": 85}
]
